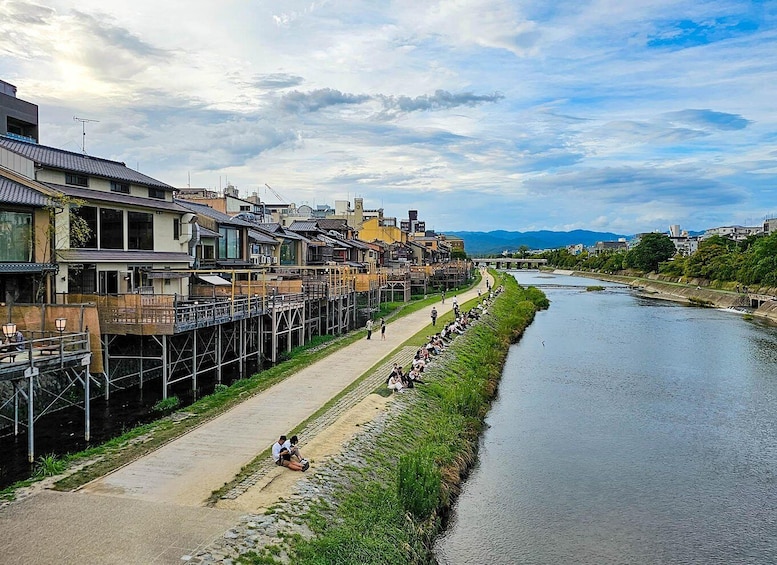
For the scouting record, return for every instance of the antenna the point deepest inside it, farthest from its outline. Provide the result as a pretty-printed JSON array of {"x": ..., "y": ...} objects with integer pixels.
[{"x": 83, "y": 130}]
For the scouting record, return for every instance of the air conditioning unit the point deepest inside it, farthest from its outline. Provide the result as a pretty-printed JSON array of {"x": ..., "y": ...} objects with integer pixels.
[
  {"x": 274, "y": 260},
  {"x": 256, "y": 260}
]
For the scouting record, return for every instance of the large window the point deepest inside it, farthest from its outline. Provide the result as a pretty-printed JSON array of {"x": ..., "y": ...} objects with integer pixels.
[
  {"x": 111, "y": 229},
  {"x": 140, "y": 231},
  {"x": 289, "y": 252},
  {"x": 229, "y": 243},
  {"x": 82, "y": 279},
  {"x": 156, "y": 193},
  {"x": 15, "y": 236},
  {"x": 84, "y": 234}
]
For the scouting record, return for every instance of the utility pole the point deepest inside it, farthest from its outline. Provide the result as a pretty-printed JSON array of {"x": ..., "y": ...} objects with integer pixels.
[{"x": 83, "y": 131}]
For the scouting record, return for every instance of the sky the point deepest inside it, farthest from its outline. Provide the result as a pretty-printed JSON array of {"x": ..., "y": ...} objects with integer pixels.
[{"x": 607, "y": 115}]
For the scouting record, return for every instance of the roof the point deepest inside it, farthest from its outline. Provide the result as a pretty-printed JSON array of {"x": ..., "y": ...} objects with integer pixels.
[
  {"x": 261, "y": 237},
  {"x": 28, "y": 267},
  {"x": 11, "y": 192},
  {"x": 205, "y": 232},
  {"x": 304, "y": 225},
  {"x": 205, "y": 210},
  {"x": 53, "y": 158},
  {"x": 119, "y": 256},
  {"x": 117, "y": 197},
  {"x": 214, "y": 280},
  {"x": 332, "y": 224}
]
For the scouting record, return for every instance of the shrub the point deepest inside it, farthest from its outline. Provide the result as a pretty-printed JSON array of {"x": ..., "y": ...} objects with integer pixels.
[
  {"x": 169, "y": 403},
  {"x": 220, "y": 387},
  {"x": 49, "y": 465}
]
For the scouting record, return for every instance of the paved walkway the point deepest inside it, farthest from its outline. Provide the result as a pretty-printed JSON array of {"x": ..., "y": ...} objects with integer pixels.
[{"x": 152, "y": 510}]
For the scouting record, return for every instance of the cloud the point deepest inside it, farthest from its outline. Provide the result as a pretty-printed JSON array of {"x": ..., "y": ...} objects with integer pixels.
[
  {"x": 709, "y": 119},
  {"x": 277, "y": 81},
  {"x": 440, "y": 100},
  {"x": 298, "y": 102}
]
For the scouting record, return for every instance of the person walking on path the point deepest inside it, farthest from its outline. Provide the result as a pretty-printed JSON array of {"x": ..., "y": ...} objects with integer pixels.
[
  {"x": 434, "y": 316},
  {"x": 382, "y": 329},
  {"x": 443, "y": 296},
  {"x": 369, "y": 328}
]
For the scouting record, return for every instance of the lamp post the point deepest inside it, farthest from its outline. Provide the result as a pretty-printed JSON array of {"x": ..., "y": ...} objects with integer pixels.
[
  {"x": 9, "y": 329},
  {"x": 60, "y": 324}
]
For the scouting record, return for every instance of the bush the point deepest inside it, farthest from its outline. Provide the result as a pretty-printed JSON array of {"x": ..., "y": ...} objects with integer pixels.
[
  {"x": 49, "y": 465},
  {"x": 169, "y": 403},
  {"x": 418, "y": 483},
  {"x": 220, "y": 387}
]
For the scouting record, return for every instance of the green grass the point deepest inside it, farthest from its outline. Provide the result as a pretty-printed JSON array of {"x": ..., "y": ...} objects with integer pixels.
[
  {"x": 594, "y": 288},
  {"x": 393, "y": 507},
  {"x": 166, "y": 404}
]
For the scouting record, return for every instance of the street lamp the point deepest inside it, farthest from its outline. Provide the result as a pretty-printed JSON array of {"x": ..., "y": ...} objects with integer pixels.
[
  {"x": 60, "y": 324},
  {"x": 9, "y": 329}
]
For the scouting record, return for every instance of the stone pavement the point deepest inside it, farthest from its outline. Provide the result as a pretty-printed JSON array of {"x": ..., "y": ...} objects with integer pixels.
[{"x": 152, "y": 510}]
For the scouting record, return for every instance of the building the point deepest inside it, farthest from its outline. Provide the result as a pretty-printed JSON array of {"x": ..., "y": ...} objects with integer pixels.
[
  {"x": 734, "y": 233},
  {"x": 135, "y": 233},
  {"x": 18, "y": 118}
]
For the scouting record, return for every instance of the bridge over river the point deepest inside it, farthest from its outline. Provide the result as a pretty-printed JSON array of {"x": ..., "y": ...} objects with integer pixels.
[{"x": 509, "y": 263}]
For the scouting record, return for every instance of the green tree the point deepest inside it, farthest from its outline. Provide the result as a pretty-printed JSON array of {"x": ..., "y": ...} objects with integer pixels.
[{"x": 652, "y": 249}]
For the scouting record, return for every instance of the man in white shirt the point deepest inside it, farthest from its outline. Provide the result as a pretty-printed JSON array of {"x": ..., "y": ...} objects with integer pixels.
[{"x": 282, "y": 457}]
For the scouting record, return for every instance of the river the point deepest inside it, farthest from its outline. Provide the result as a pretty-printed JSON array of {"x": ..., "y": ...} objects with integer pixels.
[{"x": 626, "y": 430}]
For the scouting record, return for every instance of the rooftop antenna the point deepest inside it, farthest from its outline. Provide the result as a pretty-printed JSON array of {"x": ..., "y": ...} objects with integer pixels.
[{"x": 83, "y": 131}]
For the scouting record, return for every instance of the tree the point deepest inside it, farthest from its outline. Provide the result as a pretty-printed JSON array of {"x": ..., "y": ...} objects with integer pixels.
[{"x": 652, "y": 249}]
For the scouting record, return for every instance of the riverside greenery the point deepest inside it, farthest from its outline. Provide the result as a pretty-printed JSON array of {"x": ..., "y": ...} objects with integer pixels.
[{"x": 390, "y": 508}]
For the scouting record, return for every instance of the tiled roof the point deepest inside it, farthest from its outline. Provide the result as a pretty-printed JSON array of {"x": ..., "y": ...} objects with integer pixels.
[
  {"x": 11, "y": 192},
  {"x": 205, "y": 210},
  {"x": 126, "y": 199},
  {"x": 332, "y": 224},
  {"x": 304, "y": 225},
  {"x": 119, "y": 256},
  {"x": 261, "y": 237},
  {"x": 28, "y": 267},
  {"x": 53, "y": 158}
]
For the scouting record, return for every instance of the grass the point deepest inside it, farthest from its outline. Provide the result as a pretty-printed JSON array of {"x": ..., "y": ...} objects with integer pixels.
[
  {"x": 166, "y": 404},
  {"x": 594, "y": 288},
  {"x": 390, "y": 510}
]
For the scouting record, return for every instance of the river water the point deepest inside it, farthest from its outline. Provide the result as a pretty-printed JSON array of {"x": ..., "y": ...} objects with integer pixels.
[{"x": 626, "y": 430}]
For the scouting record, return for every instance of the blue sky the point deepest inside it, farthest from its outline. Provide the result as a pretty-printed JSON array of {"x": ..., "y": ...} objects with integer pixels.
[{"x": 604, "y": 115}]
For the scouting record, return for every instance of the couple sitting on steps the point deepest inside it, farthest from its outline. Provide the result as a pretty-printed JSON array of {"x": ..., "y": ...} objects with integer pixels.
[{"x": 284, "y": 449}]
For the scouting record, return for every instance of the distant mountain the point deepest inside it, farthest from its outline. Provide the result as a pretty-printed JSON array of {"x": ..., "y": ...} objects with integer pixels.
[{"x": 486, "y": 243}]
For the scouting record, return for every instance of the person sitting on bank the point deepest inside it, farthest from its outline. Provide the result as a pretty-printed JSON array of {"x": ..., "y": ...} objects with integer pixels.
[
  {"x": 395, "y": 383},
  {"x": 292, "y": 445},
  {"x": 282, "y": 457}
]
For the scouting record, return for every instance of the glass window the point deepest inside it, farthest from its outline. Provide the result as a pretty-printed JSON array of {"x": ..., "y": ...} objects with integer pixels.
[
  {"x": 111, "y": 229},
  {"x": 84, "y": 236},
  {"x": 156, "y": 193},
  {"x": 82, "y": 279},
  {"x": 140, "y": 231},
  {"x": 120, "y": 187},
  {"x": 288, "y": 252},
  {"x": 176, "y": 228},
  {"x": 229, "y": 243},
  {"x": 76, "y": 180},
  {"x": 15, "y": 236}
]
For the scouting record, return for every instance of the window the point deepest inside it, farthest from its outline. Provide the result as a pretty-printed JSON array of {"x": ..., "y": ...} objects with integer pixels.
[
  {"x": 122, "y": 187},
  {"x": 156, "y": 193},
  {"x": 140, "y": 231},
  {"x": 85, "y": 238},
  {"x": 288, "y": 252},
  {"x": 111, "y": 229},
  {"x": 229, "y": 244},
  {"x": 176, "y": 228},
  {"x": 15, "y": 236},
  {"x": 82, "y": 279},
  {"x": 76, "y": 180}
]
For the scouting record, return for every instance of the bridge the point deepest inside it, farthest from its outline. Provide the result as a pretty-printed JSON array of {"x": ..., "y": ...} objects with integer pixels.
[{"x": 509, "y": 263}]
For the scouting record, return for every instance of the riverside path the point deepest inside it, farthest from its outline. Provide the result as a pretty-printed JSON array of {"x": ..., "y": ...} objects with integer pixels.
[{"x": 152, "y": 511}]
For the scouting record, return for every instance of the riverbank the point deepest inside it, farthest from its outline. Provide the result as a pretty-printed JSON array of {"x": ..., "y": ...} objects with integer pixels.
[
  {"x": 688, "y": 294},
  {"x": 387, "y": 493}
]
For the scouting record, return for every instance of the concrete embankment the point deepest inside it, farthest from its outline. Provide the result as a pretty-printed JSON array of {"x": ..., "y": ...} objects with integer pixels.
[{"x": 689, "y": 294}]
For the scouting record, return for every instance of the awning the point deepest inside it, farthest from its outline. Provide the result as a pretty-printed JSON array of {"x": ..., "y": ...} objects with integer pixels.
[{"x": 214, "y": 280}]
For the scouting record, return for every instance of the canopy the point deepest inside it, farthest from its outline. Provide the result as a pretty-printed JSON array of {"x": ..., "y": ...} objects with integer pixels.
[{"x": 214, "y": 280}]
